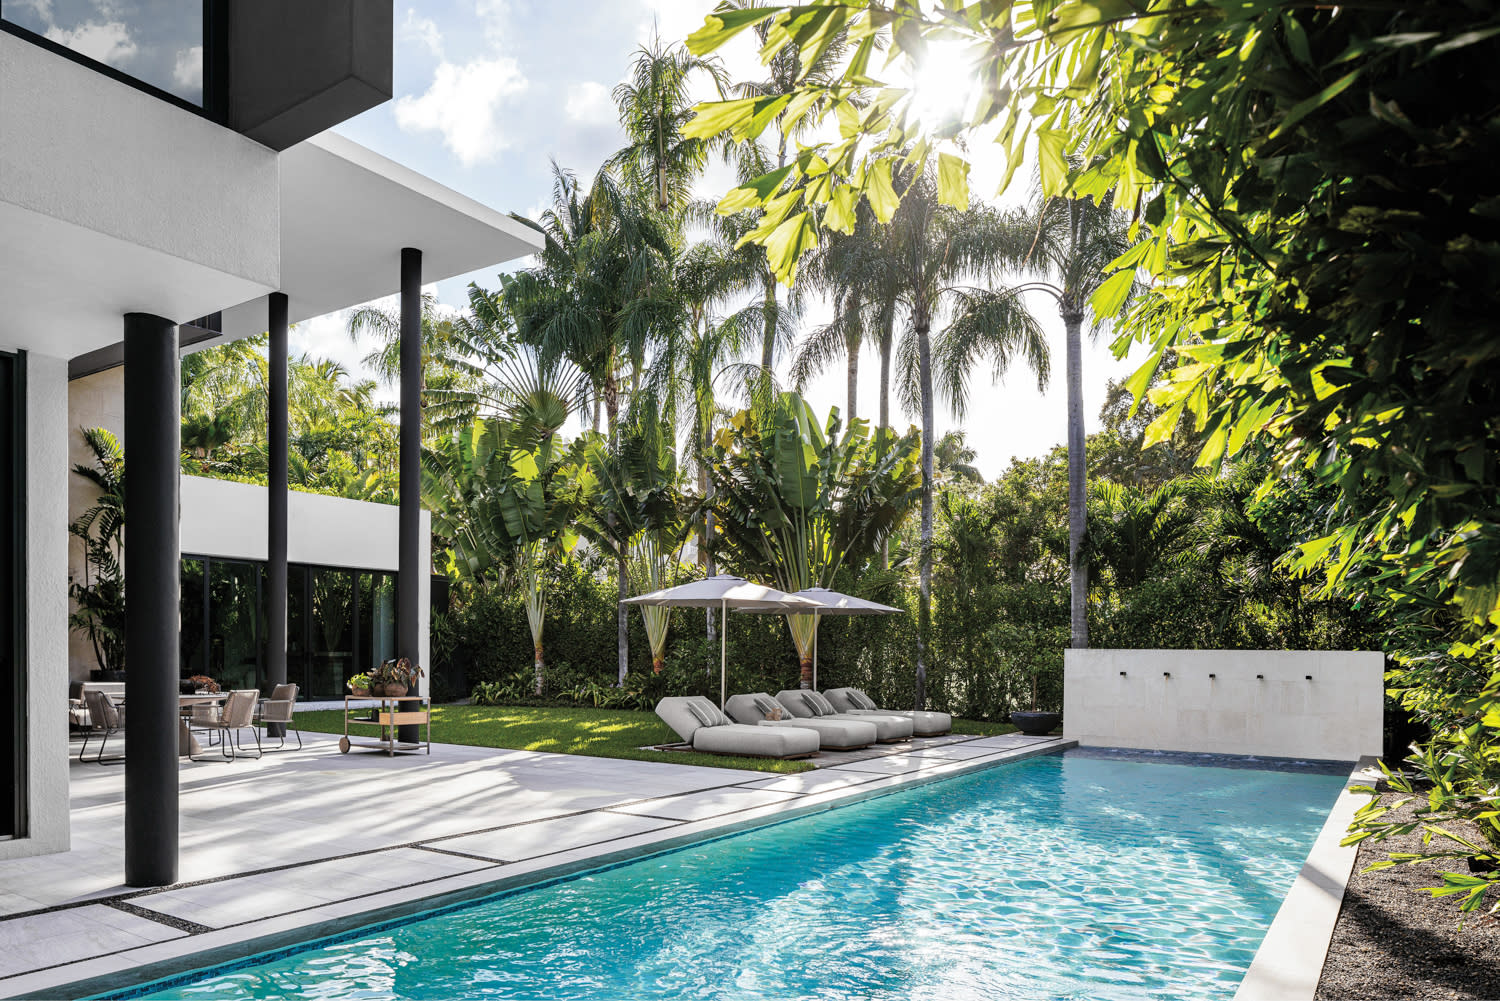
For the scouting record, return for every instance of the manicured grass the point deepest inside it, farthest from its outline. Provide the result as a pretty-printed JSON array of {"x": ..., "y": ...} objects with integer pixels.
[{"x": 602, "y": 733}]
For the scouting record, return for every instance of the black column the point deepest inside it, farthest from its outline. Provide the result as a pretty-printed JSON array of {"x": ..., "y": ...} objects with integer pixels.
[
  {"x": 411, "y": 546},
  {"x": 276, "y": 498},
  {"x": 153, "y": 435}
]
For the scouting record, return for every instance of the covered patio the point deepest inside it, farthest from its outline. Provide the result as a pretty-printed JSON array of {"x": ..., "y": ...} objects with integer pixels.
[{"x": 307, "y": 841}]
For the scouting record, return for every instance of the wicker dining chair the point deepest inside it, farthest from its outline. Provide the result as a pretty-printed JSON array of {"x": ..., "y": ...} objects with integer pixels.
[
  {"x": 105, "y": 719},
  {"x": 237, "y": 715},
  {"x": 281, "y": 708}
]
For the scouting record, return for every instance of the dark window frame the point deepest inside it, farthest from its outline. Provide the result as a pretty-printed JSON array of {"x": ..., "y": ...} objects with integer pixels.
[
  {"x": 14, "y": 819},
  {"x": 358, "y": 653},
  {"x": 215, "y": 106}
]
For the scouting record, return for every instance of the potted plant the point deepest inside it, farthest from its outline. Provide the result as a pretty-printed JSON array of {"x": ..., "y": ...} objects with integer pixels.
[
  {"x": 1036, "y": 723},
  {"x": 398, "y": 676},
  {"x": 359, "y": 685}
]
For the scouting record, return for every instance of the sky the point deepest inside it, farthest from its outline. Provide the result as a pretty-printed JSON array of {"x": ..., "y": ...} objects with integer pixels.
[{"x": 488, "y": 92}]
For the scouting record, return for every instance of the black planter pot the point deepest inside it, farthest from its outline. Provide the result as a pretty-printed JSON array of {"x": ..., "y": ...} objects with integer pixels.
[{"x": 1036, "y": 724}]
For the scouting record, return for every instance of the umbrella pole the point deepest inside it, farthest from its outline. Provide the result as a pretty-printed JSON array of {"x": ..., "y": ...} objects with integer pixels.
[{"x": 723, "y": 648}]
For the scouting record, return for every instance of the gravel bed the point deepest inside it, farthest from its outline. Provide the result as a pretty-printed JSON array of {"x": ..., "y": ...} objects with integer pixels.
[{"x": 1394, "y": 942}]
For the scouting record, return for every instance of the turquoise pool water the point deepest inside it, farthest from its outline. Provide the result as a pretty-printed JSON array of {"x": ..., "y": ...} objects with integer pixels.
[{"x": 1065, "y": 876}]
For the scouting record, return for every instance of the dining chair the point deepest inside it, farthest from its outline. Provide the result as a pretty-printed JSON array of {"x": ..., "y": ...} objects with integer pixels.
[
  {"x": 281, "y": 708},
  {"x": 237, "y": 715},
  {"x": 105, "y": 719}
]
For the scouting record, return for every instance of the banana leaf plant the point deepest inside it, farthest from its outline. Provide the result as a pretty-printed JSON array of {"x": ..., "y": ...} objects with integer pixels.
[
  {"x": 505, "y": 496},
  {"x": 796, "y": 500}
]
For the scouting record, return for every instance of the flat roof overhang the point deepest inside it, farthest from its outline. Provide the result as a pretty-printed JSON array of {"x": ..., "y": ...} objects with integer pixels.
[{"x": 346, "y": 214}]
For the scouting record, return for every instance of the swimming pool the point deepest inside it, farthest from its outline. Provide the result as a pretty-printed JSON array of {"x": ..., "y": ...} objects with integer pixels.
[{"x": 1062, "y": 876}]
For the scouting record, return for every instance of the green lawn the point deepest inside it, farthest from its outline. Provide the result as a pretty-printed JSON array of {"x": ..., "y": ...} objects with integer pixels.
[{"x": 602, "y": 733}]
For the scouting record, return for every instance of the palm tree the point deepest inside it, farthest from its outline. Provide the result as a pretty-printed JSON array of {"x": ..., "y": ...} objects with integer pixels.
[
  {"x": 1064, "y": 245},
  {"x": 655, "y": 104},
  {"x": 931, "y": 256},
  {"x": 600, "y": 294}
]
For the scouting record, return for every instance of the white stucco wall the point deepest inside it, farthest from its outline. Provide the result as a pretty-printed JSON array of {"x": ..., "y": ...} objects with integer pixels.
[
  {"x": 116, "y": 201},
  {"x": 1259, "y": 702},
  {"x": 46, "y": 621},
  {"x": 228, "y": 519}
]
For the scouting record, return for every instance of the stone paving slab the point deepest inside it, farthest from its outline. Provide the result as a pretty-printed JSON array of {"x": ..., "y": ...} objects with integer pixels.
[
  {"x": 702, "y": 805},
  {"x": 222, "y": 903},
  {"x": 77, "y": 933},
  {"x": 547, "y": 837}
]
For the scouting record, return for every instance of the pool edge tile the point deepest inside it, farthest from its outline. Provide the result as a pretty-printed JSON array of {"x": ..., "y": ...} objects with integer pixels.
[{"x": 1289, "y": 962}]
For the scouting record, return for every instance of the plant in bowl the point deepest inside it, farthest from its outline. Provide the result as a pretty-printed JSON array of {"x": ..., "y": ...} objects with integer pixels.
[
  {"x": 398, "y": 676},
  {"x": 359, "y": 684},
  {"x": 203, "y": 684},
  {"x": 1036, "y": 723}
]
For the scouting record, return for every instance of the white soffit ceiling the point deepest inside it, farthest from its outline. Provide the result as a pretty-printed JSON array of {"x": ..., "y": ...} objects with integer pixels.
[{"x": 346, "y": 214}]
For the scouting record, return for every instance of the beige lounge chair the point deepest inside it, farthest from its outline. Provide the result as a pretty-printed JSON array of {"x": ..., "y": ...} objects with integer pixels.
[
  {"x": 834, "y": 734},
  {"x": 807, "y": 704},
  {"x": 700, "y": 724},
  {"x": 855, "y": 702}
]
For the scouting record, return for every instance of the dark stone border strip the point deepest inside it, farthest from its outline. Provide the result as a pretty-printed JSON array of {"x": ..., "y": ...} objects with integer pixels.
[{"x": 170, "y": 920}]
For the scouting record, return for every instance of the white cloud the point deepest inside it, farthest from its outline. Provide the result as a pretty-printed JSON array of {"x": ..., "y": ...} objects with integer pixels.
[
  {"x": 494, "y": 20},
  {"x": 422, "y": 30},
  {"x": 464, "y": 104},
  {"x": 188, "y": 71},
  {"x": 674, "y": 20},
  {"x": 589, "y": 103},
  {"x": 43, "y": 8},
  {"x": 109, "y": 41}
]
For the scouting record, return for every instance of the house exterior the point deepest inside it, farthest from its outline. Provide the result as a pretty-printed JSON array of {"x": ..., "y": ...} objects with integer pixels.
[{"x": 167, "y": 181}]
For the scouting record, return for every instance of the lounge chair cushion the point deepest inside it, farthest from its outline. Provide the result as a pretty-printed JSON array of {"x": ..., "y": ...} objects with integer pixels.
[
  {"x": 889, "y": 726},
  {"x": 773, "y": 741},
  {"x": 926, "y": 723},
  {"x": 833, "y": 734}
]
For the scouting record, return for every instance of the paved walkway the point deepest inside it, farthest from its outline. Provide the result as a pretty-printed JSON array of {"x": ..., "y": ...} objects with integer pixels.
[{"x": 302, "y": 838}]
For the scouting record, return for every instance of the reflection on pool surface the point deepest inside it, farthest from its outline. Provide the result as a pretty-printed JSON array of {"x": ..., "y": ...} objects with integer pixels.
[{"x": 1064, "y": 876}]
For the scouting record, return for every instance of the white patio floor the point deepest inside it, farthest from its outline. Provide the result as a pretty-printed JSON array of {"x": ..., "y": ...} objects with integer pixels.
[{"x": 300, "y": 832}]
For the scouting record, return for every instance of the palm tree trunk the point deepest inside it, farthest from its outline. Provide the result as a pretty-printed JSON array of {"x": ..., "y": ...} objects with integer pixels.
[
  {"x": 768, "y": 337},
  {"x": 538, "y": 666},
  {"x": 704, "y": 556},
  {"x": 622, "y": 619},
  {"x": 924, "y": 586},
  {"x": 1077, "y": 483},
  {"x": 853, "y": 382},
  {"x": 887, "y": 342}
]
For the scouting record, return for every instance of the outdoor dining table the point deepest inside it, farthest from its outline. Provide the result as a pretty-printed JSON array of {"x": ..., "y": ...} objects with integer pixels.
[{"x": 187, "y": 744}]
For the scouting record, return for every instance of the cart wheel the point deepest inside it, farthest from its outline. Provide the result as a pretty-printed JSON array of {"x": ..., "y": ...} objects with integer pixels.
[{"x": 343, "y": 745}]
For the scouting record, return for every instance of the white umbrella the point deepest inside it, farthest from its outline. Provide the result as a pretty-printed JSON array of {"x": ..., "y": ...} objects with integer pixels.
[
  {"x": 837, "y": 603},
  {"x": 724, "y": 592}
]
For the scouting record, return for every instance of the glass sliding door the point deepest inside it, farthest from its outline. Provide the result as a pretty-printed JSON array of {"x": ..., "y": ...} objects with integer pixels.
[
  {"x": 234, "y": 624},
  {"x": 339, "y": 622},
  {"x": 194, "y": 642},
  {"x": 377, "y": 619},
  {"x": 332, "y": 630},
  {"x": 12, "y": 592}
]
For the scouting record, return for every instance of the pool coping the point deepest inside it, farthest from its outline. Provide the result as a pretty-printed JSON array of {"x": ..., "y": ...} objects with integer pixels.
[
  {"x": 1289, "y": 962},
  {"x": 130, "y": 969}
]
